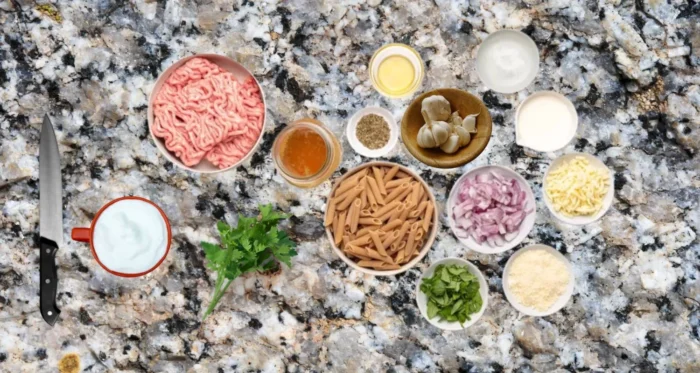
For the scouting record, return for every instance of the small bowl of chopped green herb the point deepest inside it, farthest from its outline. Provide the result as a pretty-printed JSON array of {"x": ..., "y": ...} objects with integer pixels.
[
  {"x": 452, "y": 294},
  {"x": 372, "y": 132}
]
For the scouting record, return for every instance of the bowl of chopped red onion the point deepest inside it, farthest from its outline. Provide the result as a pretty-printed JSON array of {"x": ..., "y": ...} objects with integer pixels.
[{"x": 491, "y": 209}]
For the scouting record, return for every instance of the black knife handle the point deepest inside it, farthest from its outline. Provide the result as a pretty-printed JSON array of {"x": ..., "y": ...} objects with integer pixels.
[{"x": 49, "y": 281}]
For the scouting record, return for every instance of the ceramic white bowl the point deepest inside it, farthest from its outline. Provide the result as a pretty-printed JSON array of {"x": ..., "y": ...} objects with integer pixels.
[
  {"x": 497, "y": 41},
  {"x": 351, "y": 133},
  {"x": 228, "y": 64},
  {"x": 607, "y": 201},
  {"x": 559, "y": 304},
  {"x": 422, "y": 299},
  {"x": 525, "y": 227}
]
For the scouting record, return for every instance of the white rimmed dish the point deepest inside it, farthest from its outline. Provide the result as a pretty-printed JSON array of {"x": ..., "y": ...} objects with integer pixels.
[
  {"x": 583, "y": 219},
  {"x": 556, "y": 306},
  {"x": 422, "y": 299},
  {"x": 525, "y": 226},
  {"x": 487, "y": 56},
  {"x": 428, "y": 242},
  {"x": 228, "y": 64},
  {"x": 567, "y": 112},
  {"x": 351, "y": 132}
]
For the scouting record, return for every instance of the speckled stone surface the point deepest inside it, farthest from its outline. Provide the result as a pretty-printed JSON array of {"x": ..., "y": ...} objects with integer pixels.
[{"x": 630, "y": 67}]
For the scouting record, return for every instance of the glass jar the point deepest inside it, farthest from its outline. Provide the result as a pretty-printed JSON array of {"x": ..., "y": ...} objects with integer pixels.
[
  {"x": 334, "y": 153},
  {"x": 402, "y": 51}
]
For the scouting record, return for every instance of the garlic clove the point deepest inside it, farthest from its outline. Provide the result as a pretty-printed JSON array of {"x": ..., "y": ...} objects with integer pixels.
[
  {"x": 425, "y": 138},
  {"x": 451, "y": 145},
  {"x": 464, "y": 136},
  {"x": 469, "y": 123},
  {"x": 455, "y": 119},
  {"x": 441, "y": 131}
]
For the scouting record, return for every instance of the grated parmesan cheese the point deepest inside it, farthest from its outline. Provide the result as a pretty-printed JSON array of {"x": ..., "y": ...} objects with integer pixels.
[
  {"x": 577, "y": 188},
  {"x": 537, "y": 279}
]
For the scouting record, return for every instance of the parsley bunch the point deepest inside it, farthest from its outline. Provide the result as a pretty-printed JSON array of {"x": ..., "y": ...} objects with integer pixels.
[
  {"x": 453, "y": 293},
  {"x": 254, "y": 245}
]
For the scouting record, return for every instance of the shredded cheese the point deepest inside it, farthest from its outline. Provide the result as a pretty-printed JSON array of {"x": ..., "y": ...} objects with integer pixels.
[
  {"x": 537, "y": 279},
  {"x": 577, "y": 188}
]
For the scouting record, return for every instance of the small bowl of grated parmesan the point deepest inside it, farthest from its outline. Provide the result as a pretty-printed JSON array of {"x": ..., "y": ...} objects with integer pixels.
[
  {"x": 578, "y": 188},
  {"x": 538, "y": 280}
]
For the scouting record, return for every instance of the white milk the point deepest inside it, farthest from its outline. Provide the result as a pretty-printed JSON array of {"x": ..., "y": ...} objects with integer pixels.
[
  {"x": 545, "y": 121},
  {"x": 130, "y": 236},
  {"x": 507, "y": 61}
]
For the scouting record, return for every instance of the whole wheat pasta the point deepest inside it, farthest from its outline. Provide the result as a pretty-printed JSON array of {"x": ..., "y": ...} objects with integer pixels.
[
  {"x": 428, "y": 217},
  {"x": 402, "y": 174},
  {"x": 346, "y": 240},
  {"x": 366, "y": 213},
  {"x": 363, "y": 198},
  {"x": 377, "y": 264},
  {"x": 396, "y": 192},
  {"x": 378, "y": 178},
  {"x": 415, "y": 193},
  {"x": 339, "y": 228},
  {"x": 404, "y": 228},
  {"x": 396, "y": 182},
  {"x": 404, "y": 195},
  {"x": 386, "y": 217},
  {"x": 411, "y": 242},
  {"x": 355, "y": 177},
  {"x": 419, "y": 235},
  {"x": 400, "y": 256},
  {"x": 353, "y": 193},
  {"x": 390, "y": 238},
  {"x": 421, "y": 194},
  {"x": 370, "y": 221},
  {"x": 361, "y": 241},
  {"x": 378, "y": 243},
  {"x": 365, "y": 231},
  {"x": 355, "y": 215},
  {"x": 330, "y": 213},
  {"x": 397, "y": 212},
  {"x": 344, "y": 187},
  {"x": 419, "y": 210},
  {"x": 372, "y": 201},
  {"x": 404, "y": 213},
  {"x": 387, "y": 208},
  {"x": 391, "y": 173},
  {"x": 374, "y": 188},
  {"x": 391, "y": 225}
]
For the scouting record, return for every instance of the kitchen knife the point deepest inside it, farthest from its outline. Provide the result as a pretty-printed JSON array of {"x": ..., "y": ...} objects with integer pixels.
[{"x": 50, "y": 220}]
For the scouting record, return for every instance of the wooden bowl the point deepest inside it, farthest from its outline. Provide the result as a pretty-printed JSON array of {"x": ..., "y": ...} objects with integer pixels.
[
  {"x": 428, "y": 242},
  {"x": 463, "y": 102}
]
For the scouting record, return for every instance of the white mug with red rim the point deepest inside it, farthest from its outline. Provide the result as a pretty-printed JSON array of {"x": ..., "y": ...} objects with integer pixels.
[{"x": 128, "y": 237}]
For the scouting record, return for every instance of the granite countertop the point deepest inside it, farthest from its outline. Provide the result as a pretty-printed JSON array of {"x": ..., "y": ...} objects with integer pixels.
[{"x": 630, "y": 67}]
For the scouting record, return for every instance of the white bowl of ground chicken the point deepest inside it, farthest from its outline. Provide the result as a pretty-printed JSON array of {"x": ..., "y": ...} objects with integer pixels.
[{"x": 538, "y": 280}]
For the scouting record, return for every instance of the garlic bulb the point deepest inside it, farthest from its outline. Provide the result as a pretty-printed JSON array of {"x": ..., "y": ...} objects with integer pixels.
[
  {"x": 437, "y": 107},
  {"x": 455, "y": 119},
  {"x": 433, "y": 133},
  {"x": 469, "y": 122}
]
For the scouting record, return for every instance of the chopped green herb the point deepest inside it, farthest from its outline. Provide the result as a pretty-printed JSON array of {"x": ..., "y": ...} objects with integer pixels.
[
  {"x": 254, "y": 245},
  {"x": 453, "y": 293}
]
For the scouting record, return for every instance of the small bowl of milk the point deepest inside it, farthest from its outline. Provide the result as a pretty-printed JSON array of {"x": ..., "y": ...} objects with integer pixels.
[
  {"x": 129, "y": 236},
  {"x": 546, "y": 121}
]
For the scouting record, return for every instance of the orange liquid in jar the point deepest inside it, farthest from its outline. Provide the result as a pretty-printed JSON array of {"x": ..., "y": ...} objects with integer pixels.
[{"x": 304, "y": 152}]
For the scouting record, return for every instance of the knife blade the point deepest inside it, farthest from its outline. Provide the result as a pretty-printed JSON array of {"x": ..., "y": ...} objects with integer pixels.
[{"x": 50, "y": 220}]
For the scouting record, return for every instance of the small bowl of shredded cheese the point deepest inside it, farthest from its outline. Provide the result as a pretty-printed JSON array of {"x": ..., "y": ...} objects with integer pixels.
[
  {"x": 538, "y": 280},
  {"x": 578, "y": 188}
]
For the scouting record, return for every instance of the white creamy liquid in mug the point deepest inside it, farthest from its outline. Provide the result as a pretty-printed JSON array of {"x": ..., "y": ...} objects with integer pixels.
[
  {"x": 545, "y": 123},
  {"x": 130, "y": 236}
]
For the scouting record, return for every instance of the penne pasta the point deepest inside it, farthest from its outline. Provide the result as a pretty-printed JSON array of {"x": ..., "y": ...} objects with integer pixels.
[
  {"x": 330, "y": 213},
  {"x": 374, "y": 189},
  {"x": 415, "y": 193},
  {"x": 421, "y": 193},
  {"x": 392, "y": 225},
  {"x": 396, "y": 182},
  {"x": 378, "y": 243},
  {"x": 419, "y": 235},
  {"x": 363, "y": 198},
  {"x": 366, "y": 213},
  {"x": 338, "y": 234},
  {"x": 378, "y": 178},
  {"x": 402, "y": 174},
  {"x": 370, "y": 221},
  {"x": 397, "y": 212},
  {"x": 365, "y": 231},
  {"x": 346, "y": 240},
  {"x": 396, "y": 192},
  {"x": 386, "y": 208},
  {"x": 400, "y": 256},
  {"x": 428, "y": 218},
  {"x": 355, "y": 215},
  {"x": 361, "y": 241},
  {"x": 419, "y": 210},
  {"x": 344, "y": 187},
  {"x": 353, "y": 179},
  {"x": 391, "y": 173},
  {"x": 352, "y": 194},
  {"x": 390, "y": 238},
  {"x": 377, "y": 264},
  {"x": 410, "y": 242}
]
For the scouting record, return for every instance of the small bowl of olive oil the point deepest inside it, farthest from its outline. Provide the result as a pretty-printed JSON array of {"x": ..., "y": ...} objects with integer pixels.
[{"x": 396, "y": 70}]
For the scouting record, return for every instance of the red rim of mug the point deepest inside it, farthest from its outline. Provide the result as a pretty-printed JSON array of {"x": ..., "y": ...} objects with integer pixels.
[{"x": 77, "y": 236}]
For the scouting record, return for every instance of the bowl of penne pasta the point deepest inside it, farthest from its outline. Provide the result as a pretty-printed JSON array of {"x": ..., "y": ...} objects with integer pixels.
[{"x": 381, "y": 218}]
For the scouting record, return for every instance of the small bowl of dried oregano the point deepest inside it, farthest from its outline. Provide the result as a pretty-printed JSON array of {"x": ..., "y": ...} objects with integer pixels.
[{"x": 372, "y": 132}]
